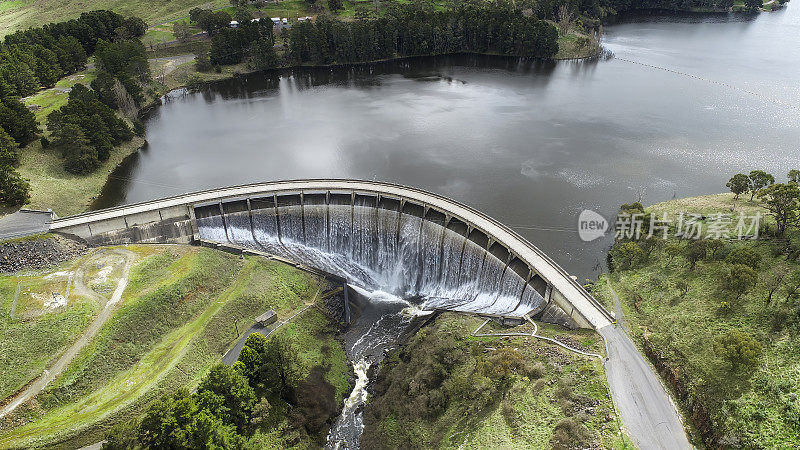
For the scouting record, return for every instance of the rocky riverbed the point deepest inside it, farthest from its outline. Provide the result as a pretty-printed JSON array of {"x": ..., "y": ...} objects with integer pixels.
[{"x": 38, "y": 253}]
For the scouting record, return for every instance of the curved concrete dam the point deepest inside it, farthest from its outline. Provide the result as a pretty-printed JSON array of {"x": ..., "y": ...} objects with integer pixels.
[{"x": 378, "y": 236}]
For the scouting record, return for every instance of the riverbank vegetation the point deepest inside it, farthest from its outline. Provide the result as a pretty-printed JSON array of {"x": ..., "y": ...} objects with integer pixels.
[
  {"x": 284, "y": 391},
  {"x": 181, "y": 311},
  {"x": 720, "y": 318},
  {"x": 413, "y": 29},
  {"x": 446, "y": 388}
]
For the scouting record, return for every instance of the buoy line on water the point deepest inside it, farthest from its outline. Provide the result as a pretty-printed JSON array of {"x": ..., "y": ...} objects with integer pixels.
[{"x": 712, "y": 81}]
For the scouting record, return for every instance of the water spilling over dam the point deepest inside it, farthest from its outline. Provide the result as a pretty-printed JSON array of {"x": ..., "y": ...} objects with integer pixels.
[
  {"x": 385, "y": 244},
  {"x": 400, "y": 250}
]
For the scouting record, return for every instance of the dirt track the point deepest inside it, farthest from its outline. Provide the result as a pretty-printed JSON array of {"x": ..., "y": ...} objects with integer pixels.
[{"x": 108, "y": 304}]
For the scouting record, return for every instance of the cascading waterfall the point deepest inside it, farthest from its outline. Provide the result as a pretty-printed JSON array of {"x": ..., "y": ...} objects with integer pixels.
[
  {"x": 378, "y": 248},
  {"x": 401, "y": 264}
]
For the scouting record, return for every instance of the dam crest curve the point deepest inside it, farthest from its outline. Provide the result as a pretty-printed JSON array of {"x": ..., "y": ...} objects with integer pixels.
[{"x": 378, "y": 236}]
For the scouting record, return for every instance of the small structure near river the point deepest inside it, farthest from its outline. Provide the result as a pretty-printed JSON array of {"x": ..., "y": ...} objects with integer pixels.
[{"x": 267, "y": 318}]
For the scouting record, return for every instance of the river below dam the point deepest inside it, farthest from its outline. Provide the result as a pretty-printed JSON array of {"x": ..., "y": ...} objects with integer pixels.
[{"x": 679, "y": 104}]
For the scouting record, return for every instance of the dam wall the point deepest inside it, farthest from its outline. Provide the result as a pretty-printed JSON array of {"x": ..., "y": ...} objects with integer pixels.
[{"x": 378, "y": 236}]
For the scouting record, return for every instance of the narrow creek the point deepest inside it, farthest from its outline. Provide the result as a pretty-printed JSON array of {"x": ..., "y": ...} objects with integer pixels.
[{"x": 383, "y": 320}]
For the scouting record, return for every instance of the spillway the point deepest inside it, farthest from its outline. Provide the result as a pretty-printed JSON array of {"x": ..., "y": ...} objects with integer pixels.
[
  {"x": 402, "y": 250},
  {"x": 384, "y": 244}
]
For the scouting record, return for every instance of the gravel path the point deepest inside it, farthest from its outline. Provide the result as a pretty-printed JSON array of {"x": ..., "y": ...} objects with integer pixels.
[{"x": 49, "y": 375}]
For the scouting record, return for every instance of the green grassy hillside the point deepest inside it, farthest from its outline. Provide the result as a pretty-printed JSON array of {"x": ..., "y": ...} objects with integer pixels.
[
  {"x": 731, "y": 349},
  {"x": 449, "y": 389},
  {"x": 21, "y": 14},
  {"x": 34, "y": 334},
  {"x": 178, "y": 316}
]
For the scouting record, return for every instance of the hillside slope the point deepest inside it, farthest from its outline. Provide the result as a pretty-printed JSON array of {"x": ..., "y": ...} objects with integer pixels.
[
  {"x": 720, "y": 320},
  {"x": 22, "y": 14}
]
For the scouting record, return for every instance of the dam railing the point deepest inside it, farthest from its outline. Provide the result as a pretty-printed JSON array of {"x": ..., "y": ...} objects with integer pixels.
[{"x": 593, "y": 313}]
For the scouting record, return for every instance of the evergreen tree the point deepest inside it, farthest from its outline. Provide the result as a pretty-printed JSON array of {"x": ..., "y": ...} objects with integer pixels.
[
  {"x": 14, "y": 190},
  {"x": 18, "y": 121},
  {"x": 79, "y": 156}
]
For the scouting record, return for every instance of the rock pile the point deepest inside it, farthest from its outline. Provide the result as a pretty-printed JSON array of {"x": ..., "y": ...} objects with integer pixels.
[{"x": 39, "y": 253}]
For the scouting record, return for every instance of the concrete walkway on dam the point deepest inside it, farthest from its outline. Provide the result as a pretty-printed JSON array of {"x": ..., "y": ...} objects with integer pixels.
[
  {"x": 24, "y": 223},
  {"x": 583, "y": 303},
  {"x": 645, "y": 407}
]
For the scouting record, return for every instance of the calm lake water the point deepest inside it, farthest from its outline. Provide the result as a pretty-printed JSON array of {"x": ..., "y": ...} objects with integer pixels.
[{"x": 684, "y": 103}]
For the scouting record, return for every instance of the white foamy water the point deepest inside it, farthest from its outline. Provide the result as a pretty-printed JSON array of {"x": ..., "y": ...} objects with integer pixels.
[{"x": 390, "y": 256}]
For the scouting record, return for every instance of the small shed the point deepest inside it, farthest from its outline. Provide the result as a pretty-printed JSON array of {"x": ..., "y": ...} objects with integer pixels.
[
  {"x": 267, "y": 318},
  {"x": 234, "y": 24}
]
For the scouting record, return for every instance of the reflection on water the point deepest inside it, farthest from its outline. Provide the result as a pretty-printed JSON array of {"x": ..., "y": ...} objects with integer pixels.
[{"x": 685, "y": 103}]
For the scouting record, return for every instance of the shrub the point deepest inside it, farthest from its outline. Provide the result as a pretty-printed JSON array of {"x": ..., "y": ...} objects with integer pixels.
[
  {"x": 626, "y": 255},
  {"x": 139, "y": 128},
  {"x": 739, "y": 279},
  {"x": 569, "y": 433},
  {"x": 738, "y": 350},
  {"x": 745, "y": 256},
  {"x": 695, "y": 251},
  {"x": 14, "y": 190}
]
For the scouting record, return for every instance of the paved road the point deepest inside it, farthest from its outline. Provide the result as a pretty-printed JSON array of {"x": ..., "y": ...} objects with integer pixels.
[
  {"x": 233, "y": 354},
  {"x": 24, "y": 223},
  {"x": 63, "y": 361},
  {"x": 646, "y": 409}
]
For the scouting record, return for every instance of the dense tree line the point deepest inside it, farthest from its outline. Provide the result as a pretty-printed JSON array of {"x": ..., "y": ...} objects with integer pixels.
[
  {"x": 14, "y": 190},
  {"x": 599, "y": 8},
  {"x": 86, "y": 130},
  {"x": 123, "y": 70},
  {"x": 210, "y": 21},
  {"x": 418, "y": 29},
  {"x": 251, "y": 38},
  {"x": 17, "y": 127},
  {"x": 406, "y": 30},
  {"x": 39, "y": 57}
]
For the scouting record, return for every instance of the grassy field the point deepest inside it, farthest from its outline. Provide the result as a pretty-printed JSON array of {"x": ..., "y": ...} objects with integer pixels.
[
  {"x": 687, "y": 314},
  {"x": 21, "y": 14},
  {"x": 448, "y": 389},
  {"x": 158, "y": 35},
  {"x": 574, "y": 45},
  {"x": 66, "y": 193},
  {"x": 54, "y": 98},
  {"x": 178, "y": 316},
  {"x": 34, "y": 335}
]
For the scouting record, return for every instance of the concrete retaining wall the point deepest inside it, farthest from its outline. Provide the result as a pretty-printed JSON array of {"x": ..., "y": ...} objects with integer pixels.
[{"x": 172, "y": 220}]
